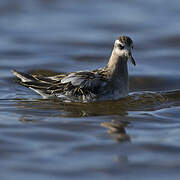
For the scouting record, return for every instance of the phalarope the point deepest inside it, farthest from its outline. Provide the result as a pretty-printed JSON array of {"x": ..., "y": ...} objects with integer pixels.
[{"x": 107, "y": 83}]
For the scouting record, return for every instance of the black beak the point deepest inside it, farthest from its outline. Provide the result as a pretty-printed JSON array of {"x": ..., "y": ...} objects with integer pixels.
[{"x": 131, "y": 59}]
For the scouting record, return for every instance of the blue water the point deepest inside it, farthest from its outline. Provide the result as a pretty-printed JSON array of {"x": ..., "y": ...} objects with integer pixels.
[{"x": 134, "y": 138}]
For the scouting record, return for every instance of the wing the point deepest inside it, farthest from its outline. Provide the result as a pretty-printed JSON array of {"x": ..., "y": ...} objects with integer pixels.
[
  {"x": 85, "y": 80},
  {"x": 84, "y": 83},
  {"x": 80, "y": 79},
  {"x": 79, "y": 85}
]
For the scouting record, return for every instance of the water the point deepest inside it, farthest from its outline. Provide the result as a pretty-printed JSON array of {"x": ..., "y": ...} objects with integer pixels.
[{"x": 134, "y": 138}]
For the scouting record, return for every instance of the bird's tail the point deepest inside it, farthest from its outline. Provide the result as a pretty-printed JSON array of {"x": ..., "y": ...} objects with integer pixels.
[
  {"x": 32, "y": 83},
  {"x": 23, "y": 77}
]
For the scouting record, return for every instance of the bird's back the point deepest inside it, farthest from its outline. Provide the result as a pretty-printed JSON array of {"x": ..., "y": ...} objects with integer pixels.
[{"x": 78, "y": 86}]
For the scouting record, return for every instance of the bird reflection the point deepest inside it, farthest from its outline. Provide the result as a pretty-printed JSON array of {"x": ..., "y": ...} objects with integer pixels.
[
  {"x": 117, "y": 130},
  {"x": 56, "y": 108}
]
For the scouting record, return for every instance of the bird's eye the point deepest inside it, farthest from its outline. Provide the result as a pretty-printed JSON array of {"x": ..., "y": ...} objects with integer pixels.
[
  {"x": 132, "y": 47},
  {"x": 121, "y": 46}
]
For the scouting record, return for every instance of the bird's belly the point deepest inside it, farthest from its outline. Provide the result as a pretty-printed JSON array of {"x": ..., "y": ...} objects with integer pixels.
[
  {"x": 113, "y": 95},
  {"x": 110, "y": 94}
]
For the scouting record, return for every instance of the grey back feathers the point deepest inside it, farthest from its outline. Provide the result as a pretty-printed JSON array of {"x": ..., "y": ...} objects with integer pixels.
[
  {"x": 84, "y": 85},
  {"x": 84, "y": 79}
]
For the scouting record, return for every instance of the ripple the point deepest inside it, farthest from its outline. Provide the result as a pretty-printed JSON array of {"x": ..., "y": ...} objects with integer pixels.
[{"x": 125, "y": 139}]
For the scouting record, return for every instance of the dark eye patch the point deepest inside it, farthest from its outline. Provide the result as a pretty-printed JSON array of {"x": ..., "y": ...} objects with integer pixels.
[{"x": 121, "y": 46}]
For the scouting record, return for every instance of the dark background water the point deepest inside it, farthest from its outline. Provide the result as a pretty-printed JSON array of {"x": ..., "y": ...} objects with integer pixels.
[{"x": 136, "y": 138}]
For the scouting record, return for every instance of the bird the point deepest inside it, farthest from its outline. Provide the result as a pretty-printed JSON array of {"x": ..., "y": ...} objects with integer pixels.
[{"x": 107, "y": 83}]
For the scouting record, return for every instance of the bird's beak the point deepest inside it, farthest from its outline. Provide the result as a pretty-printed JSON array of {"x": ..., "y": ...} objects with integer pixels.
[{"x": 131, "y": 58}]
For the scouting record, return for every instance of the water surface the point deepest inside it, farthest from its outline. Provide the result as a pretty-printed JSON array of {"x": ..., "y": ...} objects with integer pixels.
[{"x": 132, "y": 138}]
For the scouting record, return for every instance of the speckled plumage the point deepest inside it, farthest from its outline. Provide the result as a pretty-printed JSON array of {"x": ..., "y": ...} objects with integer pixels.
[{"x": 108, "y": 83}]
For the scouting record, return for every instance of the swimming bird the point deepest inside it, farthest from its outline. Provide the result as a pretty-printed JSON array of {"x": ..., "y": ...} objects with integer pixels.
[{"x": 107, "y": 83}]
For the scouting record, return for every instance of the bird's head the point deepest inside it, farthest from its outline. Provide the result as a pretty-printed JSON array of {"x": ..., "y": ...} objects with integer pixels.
[{"x": 123, "y": 47}]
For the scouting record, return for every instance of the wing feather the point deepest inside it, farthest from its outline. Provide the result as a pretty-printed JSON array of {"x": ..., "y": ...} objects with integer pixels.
[
  {"x": 80, "y": 85},
  {"x": 88, "y": 80}
]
